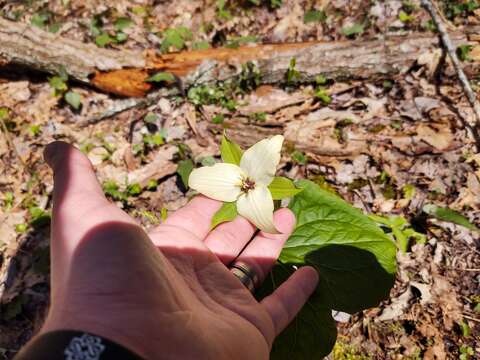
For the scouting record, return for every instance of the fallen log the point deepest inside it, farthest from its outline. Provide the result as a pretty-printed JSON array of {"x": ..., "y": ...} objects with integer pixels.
[{"x": 124, "y": 72}]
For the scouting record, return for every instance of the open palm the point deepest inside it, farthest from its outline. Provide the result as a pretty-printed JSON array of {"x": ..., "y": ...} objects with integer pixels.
[{"x": 167, "y": 294}]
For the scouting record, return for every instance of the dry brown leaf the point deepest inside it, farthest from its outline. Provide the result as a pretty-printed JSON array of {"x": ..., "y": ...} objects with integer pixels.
[
  {"x": 159, "y": 167},
  {"x": 441, "y": 138},
  {"x": 267, "y": 99}
]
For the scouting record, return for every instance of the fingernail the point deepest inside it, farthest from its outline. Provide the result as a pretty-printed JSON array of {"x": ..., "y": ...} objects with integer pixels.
[
  {"x": 53, "y": 151},
  {"x": 284, "y": 220}
]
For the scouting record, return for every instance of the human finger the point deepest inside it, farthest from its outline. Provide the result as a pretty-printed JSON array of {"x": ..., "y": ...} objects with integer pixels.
[
  {"x": 228, "y": 239},
  {"x": 262, "y": 252},
  {"x": 78, "y": 201},
  {"x": 288, "y": 299},
  {"x": 193, "y": 219}
]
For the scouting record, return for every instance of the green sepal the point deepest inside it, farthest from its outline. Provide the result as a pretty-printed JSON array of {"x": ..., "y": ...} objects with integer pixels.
[
  {"x": 282, "y": 188},
  {"x": 230, "y": 151},
  {"x": 227, "y": 212},
  {"x": 184, "y": 168}
]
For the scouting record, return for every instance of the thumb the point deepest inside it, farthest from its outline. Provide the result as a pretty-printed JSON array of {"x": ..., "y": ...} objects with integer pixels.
[
  {"x": 74, "y": 177},
  {"x": 78, "y": 200}
]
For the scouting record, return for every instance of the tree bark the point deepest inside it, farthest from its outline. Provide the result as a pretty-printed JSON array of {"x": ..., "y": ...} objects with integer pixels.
[{"x": 124, "y": 72}]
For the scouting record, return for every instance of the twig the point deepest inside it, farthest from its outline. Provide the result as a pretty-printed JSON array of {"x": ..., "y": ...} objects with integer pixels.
[
  {"x": 447, "y": 43},
  {"x": 471, "y": 318},
  {"x": 468, "y": 270},
  {"x": 9, "y": 141}
]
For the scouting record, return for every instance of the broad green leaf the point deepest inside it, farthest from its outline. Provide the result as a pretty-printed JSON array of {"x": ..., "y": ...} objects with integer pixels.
[
  {"x": 73, "y": 99},
  {"x": 311, "y": 335},
  {"x": 355, "y": 261},
  {"x": 122, "y": 23},
  {"x": 161, "y": 76},
  {"x": 227, "y": 212},
  {"x": 230, "y": 151},
  {"x": 353, "y": 30},
  {"x": 324, "y": 219},
  {"x": 184, "y": 169},
  {"x": 446, "y": 214},
  {"x": 351, "y": 278},
  {"x": 281, "y": 188}
]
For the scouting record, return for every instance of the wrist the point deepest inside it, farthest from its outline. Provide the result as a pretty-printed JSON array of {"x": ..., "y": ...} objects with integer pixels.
[{"x": 70, "y": 345}]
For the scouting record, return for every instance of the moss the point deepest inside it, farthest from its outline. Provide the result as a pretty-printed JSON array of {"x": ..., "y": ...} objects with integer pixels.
[{"x": 343, "y": 351}]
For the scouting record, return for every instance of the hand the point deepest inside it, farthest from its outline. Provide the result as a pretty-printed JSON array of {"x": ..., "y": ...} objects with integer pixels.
[{"x": 167, "y": 294}]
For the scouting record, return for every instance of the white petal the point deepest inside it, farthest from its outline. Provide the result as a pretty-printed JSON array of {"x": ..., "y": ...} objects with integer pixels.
[
  {"x": 261, "y": 160},
  {"x": 219, "y": 182},
  {"x": 257, "y": 207}
]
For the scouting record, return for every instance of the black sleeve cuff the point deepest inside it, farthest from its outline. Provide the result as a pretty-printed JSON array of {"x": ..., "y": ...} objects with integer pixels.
[{"x": 74, "y": 345}]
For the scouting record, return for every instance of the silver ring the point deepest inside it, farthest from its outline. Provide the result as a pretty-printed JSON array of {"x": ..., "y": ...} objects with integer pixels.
[{"x": 245, "y": 273}]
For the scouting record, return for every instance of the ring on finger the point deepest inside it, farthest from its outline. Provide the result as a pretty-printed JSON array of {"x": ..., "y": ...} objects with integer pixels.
[{"x": 247, "y": 276}]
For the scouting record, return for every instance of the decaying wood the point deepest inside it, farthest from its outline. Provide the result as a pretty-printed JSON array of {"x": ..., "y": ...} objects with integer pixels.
[
  {"x": 124, "y": 72},
  {"x": 47, "y": 52}
]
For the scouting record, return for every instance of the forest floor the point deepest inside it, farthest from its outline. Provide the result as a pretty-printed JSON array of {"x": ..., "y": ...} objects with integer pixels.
[{"x": 396, "y": 145}]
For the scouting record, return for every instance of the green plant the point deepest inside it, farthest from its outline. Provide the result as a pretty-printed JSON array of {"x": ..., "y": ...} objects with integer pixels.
[
  {"x": 459, "y": 8},
  {"x": 466, "y": 352},
  {"x": 222, "y": 11},
  {"x": 104, "y": 38},
  {"x": 238, "y": 41},
  {"x": 351, "y": 31},
  {"x": 59, "y": 84},
  {"x": 45, "y": 20},
  {"x": 176, "y": 38},
  {"x": 112, "y": 189},
  {"x": 314, "y": 16},
  {"x": 210, "y": 94},
  {"x": 322, "y": 95},
  {"x": 184, "y": 169},
  {"x": 447, "y": 214},
  {"x": 344, "y": 351},
  {"x": 463, "y": 52},
  {"x": 400, "y": 230},
  {"x": 299, "y": 157},
  {"x": 405, "y": 17},
  {"x": 293, "y": 75},
  {"x": 339, "y": 127},
  {"x": 8, "y": 200},
  {"x": 356, "y": 260}
]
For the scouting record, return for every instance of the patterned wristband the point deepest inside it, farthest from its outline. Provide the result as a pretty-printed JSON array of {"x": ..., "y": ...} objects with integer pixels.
[{"x": 74, "y": 345}]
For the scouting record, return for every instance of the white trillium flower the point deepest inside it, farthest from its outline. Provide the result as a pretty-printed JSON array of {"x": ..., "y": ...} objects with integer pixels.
[{"x": 246, "y": 184}]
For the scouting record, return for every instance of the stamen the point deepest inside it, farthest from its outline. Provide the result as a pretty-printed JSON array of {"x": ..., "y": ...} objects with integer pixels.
[{"x": 247, "y": 185}]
